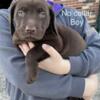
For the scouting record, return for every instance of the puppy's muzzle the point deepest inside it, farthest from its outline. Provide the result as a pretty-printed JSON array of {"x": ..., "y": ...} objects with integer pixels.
[{"x": 30, "y": 29}]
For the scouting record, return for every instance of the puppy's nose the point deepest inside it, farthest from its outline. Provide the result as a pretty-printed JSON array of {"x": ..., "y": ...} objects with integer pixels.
[{"x": 30, "y": 29}]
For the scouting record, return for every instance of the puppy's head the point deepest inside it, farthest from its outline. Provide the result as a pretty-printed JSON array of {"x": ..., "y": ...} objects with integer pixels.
[{"x": 30, "y": 19}]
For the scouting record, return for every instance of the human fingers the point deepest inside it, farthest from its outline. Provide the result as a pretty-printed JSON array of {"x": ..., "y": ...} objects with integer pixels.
[{"x": 25, "y": 48}]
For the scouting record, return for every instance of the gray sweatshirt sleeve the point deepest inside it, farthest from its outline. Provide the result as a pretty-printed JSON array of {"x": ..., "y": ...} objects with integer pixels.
[
  {"x": 88, "y": 62},
  {"x": 13, "y": 66}
]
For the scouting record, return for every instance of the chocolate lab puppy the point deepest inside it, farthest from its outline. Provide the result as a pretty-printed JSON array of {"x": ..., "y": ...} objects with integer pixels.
[{"x": 34, "y": 21}]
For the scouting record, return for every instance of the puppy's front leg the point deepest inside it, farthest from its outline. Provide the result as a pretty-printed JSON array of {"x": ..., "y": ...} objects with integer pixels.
[
  {"x": 31, "y": 66},
  {"x": 35, "y": 55}
]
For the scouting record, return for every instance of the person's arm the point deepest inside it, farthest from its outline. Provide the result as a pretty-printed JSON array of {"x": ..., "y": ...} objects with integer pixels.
[
  {"x": 59, "y": 68},
  {"x": 91, "y": 87},
  {"x": 12, "y": 63},
  {"x": 89, "y": 60}
]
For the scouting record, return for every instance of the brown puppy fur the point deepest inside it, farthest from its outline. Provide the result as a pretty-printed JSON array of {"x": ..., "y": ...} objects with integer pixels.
[{"x": 34, "y": 21}]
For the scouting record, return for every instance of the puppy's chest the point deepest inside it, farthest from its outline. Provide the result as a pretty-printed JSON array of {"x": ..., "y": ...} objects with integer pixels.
[{"x": 55, "y": 41}]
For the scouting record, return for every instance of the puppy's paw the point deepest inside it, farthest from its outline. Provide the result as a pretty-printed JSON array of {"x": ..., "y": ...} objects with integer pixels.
[{"x": 31, "y": 78}]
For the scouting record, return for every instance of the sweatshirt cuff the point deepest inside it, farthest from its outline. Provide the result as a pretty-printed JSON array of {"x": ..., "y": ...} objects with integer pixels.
[
  {"x": 76, "y": 65},
  {"x": 78, "y": 87}
]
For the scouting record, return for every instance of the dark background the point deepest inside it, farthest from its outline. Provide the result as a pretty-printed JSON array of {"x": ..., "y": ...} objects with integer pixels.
[{"x": 5, "y": 3}]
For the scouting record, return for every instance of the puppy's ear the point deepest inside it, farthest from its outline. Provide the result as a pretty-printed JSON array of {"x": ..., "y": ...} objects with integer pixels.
[
  {"x": 52, "y": 25},
  {"x": 12, "y": 9}
]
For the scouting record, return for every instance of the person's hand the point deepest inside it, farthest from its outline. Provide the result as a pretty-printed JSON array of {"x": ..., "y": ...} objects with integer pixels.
[
  {"x": 91, "y": 85},
  {"x": 26, "y": 47},
  {"x": 55, "y": 63}
]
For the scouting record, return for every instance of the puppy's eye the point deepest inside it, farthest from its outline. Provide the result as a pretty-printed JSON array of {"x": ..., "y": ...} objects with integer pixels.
[
  {"x": 21, "y": 13},
  {"x": 40, "y": 10},
  {"x": 42, "y": 14}
]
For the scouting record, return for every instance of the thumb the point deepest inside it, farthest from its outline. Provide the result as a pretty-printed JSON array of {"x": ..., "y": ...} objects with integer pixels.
[{"x": 51, "y": 51}]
